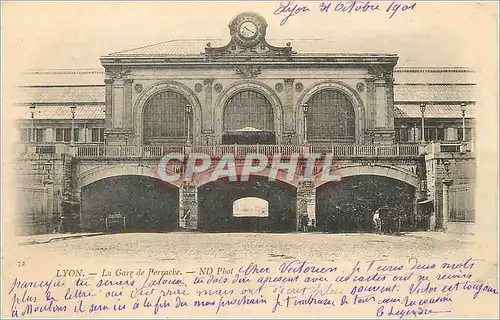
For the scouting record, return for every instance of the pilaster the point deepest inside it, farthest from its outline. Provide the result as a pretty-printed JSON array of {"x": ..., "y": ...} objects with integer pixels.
[
  {"x": 109, "y": 102},
  {"x": 306, "y": 205},
  {"x": 208, "y": 118},
  {"x": 288, "y": 107},
  {"x": 127, "y": 107},
  {"x": 188, "y": 208}
]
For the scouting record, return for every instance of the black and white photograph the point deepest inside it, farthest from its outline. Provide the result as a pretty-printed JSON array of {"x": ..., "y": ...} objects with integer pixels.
[{"x": 273, "y": 159}]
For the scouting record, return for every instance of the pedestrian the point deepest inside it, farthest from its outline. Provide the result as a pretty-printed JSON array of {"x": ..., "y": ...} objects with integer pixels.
[
  {"x": 377, "y": 222},
  {"x": 55, "y": 222},
  {"x": 305, "y": 221},
  {"x": 61, "y": 224}
]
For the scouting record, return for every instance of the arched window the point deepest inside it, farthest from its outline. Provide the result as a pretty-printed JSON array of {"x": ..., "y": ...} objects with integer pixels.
[
  {"x": 165, "y": 118},
  {"x": 248, "y": 110},
  {"x": 330, "y": 117}
]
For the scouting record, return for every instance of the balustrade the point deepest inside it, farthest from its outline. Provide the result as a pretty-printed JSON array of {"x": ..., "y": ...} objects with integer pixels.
[{"x": 157, "y": 151}]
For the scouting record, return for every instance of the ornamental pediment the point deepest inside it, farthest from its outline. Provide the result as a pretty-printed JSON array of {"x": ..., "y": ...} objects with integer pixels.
[{"x": 248, "y": 37}]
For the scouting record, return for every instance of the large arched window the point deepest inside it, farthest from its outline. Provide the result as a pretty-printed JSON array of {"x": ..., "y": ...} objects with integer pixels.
[
  {"x": 248, "y": 109},
  {"x": 248, "y": 119},
  {"x": 330, "y": 117},
  {"x": 165, "y": 118}
]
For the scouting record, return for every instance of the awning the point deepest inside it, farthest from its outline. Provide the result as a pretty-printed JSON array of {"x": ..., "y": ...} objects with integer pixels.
[
  {"x": 63, "y": 112},
  {"x": 442, "y": 111}
]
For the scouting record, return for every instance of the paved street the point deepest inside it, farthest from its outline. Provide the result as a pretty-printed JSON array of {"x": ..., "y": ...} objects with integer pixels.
[{"x": 225, "y": 248}]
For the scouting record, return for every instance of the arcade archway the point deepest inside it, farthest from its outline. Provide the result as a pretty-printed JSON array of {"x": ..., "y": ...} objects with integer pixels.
[
  {"x": 148, "y": 204},
  {"x": 348, "y": 205},
  {"x": 216, "y": 206}
]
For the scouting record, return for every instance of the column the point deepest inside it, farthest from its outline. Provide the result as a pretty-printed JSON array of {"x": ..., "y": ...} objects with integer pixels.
[
  {"x": 306, "y": 205},
  {"x": 370, "y": 104},
  {"x": 380, "y": 105},
  {"x": 188, "y": 206},
  {"x": 127, "y": 105},
  {"x": 109, "y": 102},
  {"x": 118, "y": 103},
  {"x": 288, "y": 107},
  {"x": 380, "y": 90},
  {"x": 446, "y": 199},
  {"x": 209, "y": 115}
]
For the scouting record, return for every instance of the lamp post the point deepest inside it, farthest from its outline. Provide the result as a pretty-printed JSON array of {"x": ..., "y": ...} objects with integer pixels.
[
  {"x": 463, "y": 107},
  {"x": 447, "y": 168},
  {"x": 305, "y": 108},
  {"x": 73, "y": 109},
  {"x": 189, "y": 111},
  {"x": 32, "y": 129},
  {"x": 422, "y": 110},
  {"x": 446, "y": 194}
]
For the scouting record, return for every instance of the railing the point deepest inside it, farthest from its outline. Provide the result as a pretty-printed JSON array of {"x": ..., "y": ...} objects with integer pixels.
[
  {"x": 339, "y": 150},
  {"x": 373, "y": 150}
]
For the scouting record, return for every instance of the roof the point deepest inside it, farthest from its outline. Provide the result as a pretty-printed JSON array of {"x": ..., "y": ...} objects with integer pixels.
[
  {"x": 434, "y": 92},
  {"x": 58, "y": 112},
  {"x": 433, "y": 111},
  {"x": 62, "y": 94},
  {"x": 95, "y": 94},
  {"x": 431, "y": 75},
  {"x": 53, "y": 77},
  {"x": 196, "y": 47}
]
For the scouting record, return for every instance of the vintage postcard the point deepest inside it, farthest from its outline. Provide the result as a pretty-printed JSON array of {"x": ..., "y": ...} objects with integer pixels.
[{"x": 276, "y": 159}]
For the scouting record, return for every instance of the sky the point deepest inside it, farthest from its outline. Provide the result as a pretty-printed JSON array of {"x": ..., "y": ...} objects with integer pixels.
[{"x": 56, "y": 35}]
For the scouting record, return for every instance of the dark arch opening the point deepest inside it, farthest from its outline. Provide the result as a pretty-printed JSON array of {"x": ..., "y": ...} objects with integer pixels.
[
  {"x": 216, "y": 206},
  {"x": 331, "y": 117},
  {"x": 248, "y": 119},
  {"x": 148, "y": 204},
  {"x": 348, "y": 205},
  {"x": 164, "y": 118}
]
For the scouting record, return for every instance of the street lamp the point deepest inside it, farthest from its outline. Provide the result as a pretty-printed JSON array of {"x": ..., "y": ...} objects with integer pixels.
[
  {"x": 447, "y": 167},
  {"x": 305, "y": 108},
  {"x": 189, "y": 111},
  {"x": 463, "y": 107},
  {"x": 32, "y": 129},
  {"x": 422, "y": 110},
  {"x": 48, "y": 167},
  {"x": 73, "y": 109}
]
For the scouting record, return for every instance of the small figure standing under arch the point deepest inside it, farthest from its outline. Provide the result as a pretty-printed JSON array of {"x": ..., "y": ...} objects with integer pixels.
[{"x": 377, "y": 222}]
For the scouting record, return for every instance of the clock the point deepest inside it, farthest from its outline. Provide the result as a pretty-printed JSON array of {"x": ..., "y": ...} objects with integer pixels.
[{"x": 248, "y": 30}]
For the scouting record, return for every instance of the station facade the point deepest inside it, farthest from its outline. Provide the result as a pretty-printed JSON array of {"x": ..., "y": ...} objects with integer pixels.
[{"x": 94, "y": 138}]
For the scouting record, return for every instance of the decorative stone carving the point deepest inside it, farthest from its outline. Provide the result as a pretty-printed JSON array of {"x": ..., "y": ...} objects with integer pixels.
[
  {"x": 360, "y": 87},
  {"x": 248, "y": 71},
  {"x": 117, "y": 73},
  {"x": 299, "y": 87},
  {"x": 138, "y": 88},
  {"x": 208, "y": 83},
  {"x": 248, "y": 37},
  {"x": 198, "y": 87},
  {"x": 278, "y": 87},
  {"x": 381, "y": 73},
  {"x": 218, "y": 87}
]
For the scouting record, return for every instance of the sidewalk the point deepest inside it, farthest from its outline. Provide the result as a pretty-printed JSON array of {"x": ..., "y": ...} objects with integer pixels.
[
  {"x": 441, "y": 236},
  {"x": 46, "y": 238}
]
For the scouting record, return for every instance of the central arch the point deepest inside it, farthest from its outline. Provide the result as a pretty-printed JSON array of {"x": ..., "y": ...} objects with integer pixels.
[
  {"x": 261, "y": 92},
  {"x": 216, "y": 201}
]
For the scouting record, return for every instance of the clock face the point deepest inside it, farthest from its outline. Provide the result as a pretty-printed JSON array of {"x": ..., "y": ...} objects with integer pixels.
[{"x": 248, "y": 30}]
